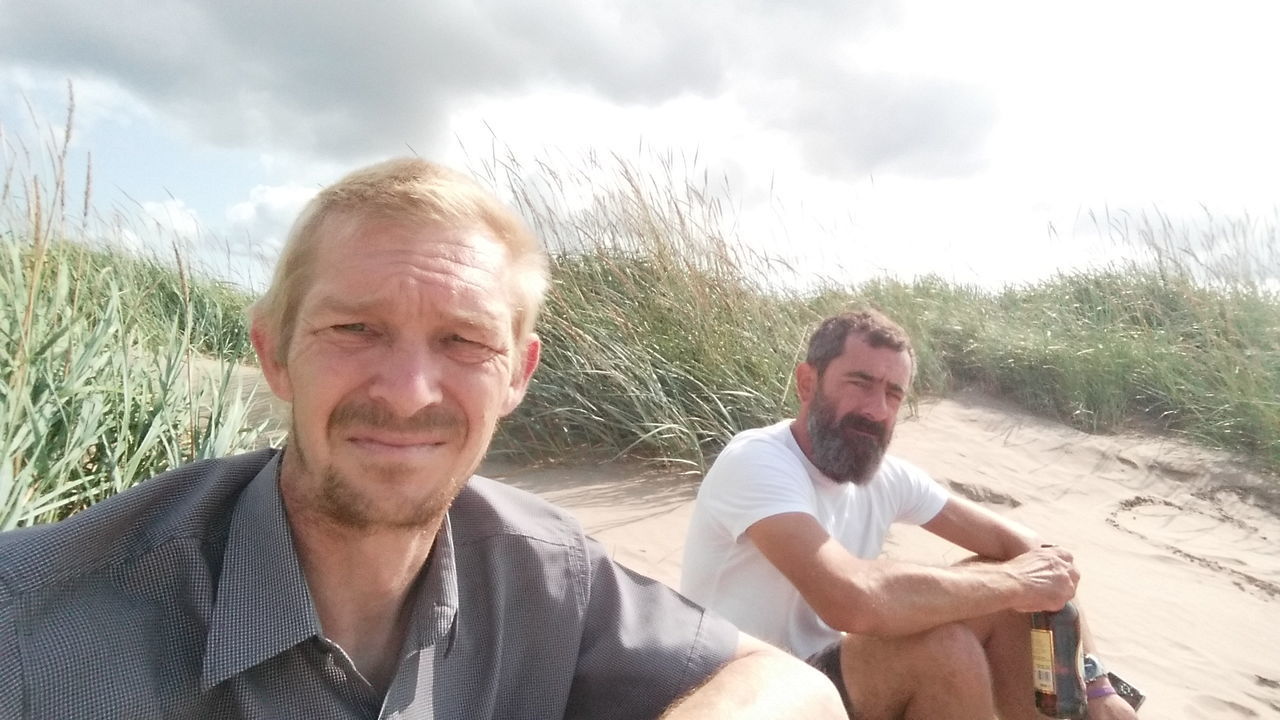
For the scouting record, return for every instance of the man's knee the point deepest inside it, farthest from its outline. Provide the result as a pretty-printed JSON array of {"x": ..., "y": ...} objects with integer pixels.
[
  {"x": 952, "y": 643},
  {"x": 953, "y": 640},
  {"x": 886, "y": 675}
]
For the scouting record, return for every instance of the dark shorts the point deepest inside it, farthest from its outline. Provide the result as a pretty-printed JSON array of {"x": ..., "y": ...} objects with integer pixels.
[{"x": 827, "y": 660}]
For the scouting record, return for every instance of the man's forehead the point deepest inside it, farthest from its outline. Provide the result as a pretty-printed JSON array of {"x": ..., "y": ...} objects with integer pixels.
[
  {"x": 859, "y": 353},
  {"x": 340, "y": 230},
  {"x": 478, "y": 314},
  {"x": 363, "y": 263}
]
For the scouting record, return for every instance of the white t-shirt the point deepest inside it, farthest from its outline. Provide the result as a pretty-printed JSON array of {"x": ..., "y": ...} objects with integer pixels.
[{"x": 761, "y": 473}]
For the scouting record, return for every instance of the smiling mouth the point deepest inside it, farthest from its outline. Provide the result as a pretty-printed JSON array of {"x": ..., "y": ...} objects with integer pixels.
[{"x": 395, "y": 444}]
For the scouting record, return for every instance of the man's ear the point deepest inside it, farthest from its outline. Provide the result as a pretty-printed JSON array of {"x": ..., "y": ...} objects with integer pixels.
[
  {"x": 520, "y": 375},
  {"x": 266, "y": 345},
  {"x": 806, "y": 382}
]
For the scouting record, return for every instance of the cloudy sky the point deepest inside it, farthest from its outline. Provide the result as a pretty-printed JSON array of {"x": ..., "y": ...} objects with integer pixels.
[{"x": 972, "y": 139}]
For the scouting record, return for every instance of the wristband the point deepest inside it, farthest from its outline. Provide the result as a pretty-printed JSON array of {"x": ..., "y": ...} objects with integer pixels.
[{"x": 1098, "y": 692}]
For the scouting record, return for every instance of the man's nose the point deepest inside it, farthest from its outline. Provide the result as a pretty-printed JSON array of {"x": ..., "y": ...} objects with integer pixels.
[
  {"x": 875, "y": 407},
  {"x": 408, "y": 379}
]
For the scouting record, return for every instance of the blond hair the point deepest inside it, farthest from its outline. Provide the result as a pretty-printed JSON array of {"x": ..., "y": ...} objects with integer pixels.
[{"x": 410, "y": 190}]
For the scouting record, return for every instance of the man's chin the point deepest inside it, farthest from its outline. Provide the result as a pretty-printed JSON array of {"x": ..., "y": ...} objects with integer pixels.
[
  {"x": 388, "y": 495},
  {"x": 384, "y": 513}
]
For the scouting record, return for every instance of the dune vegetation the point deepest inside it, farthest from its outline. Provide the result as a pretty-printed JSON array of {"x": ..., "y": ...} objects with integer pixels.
[
  {"x": 116, "y": 367},
  {"x": 662, "y": 336}
]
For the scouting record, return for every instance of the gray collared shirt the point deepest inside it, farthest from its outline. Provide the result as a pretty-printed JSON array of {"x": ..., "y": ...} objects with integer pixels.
[{"x": 183, "y": 597}]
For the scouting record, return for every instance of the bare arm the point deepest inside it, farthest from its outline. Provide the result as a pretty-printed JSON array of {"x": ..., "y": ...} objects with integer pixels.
[
  {"x": 990, "y": 536},
  {"x": 980, "y": 531},
  {"x": 761, "y": 682},
  {"x": 886, "y": 598}
]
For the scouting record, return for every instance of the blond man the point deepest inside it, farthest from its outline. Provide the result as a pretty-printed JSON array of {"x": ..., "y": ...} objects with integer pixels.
[{"x": 363, "y": 571}]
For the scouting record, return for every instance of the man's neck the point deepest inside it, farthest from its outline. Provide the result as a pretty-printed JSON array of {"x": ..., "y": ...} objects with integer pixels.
[
  {"x": 800, "y": 431},
  {"x": 362, "y": 583}
]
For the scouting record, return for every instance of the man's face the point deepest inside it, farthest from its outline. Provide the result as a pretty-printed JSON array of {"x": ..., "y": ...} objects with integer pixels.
[
  {"x": 854, "y": 408},
  {"x": 401, "y": 362}
]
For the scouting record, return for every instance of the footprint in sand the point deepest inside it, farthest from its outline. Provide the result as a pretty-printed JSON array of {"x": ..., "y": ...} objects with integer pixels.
[
  {"x": 1268, "y": 691},
  {"x": 1208, "y": 706},
  {"x": 1201, "y": 532}
]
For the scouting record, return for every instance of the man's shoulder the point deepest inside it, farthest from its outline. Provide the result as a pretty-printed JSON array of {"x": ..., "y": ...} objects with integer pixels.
[
  {"x": 773, "y": 438},
  {"x": 759, "y": 452},
  {"x": 193, "y": 501},
  {"x": 486, "y": 508}
]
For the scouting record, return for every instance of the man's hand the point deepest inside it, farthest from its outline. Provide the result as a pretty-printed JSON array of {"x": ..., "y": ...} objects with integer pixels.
[{"x": 1047, "y": 576}]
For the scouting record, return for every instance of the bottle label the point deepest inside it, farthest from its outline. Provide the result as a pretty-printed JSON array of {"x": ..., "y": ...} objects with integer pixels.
[{"x": 1042, "y": 660}]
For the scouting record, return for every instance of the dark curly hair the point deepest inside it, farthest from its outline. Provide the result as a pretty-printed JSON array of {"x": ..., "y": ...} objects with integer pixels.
[{"x": 827, "y": 342}]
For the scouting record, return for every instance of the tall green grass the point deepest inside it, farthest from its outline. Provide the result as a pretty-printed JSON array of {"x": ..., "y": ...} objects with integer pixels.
[
  {"x": 105, "y": 380},
  {"x": 664, "y": 336},
  {"x": 661, "y": 336}
]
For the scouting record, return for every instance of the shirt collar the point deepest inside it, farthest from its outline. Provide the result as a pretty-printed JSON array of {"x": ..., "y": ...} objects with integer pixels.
[
  {"x": 436, "y": 607},
  {"x": 263, "y": 606}
]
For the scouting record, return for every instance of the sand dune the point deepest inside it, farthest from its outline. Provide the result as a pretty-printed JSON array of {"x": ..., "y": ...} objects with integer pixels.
[{"x": 1179, "y": 548}]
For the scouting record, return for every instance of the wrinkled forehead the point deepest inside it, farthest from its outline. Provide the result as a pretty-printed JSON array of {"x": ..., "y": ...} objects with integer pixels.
[
  {"x": 883, "y": 362},
  {"x": 360, "y": 254},
  {"x": 340, "y": 230},
  {"x": 345, "y": 242}
]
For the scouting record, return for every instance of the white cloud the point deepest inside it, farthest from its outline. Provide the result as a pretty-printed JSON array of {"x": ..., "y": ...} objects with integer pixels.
[
  {"x": 897, "y": 135},
  {"x": 257, "y": 227},
  {"x": 172, "y": 219},
  {"x": 350, "y": 82}
]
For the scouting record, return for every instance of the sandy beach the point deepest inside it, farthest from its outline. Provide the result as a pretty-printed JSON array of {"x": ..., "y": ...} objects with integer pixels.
[{"x": 1179, "y": 548}]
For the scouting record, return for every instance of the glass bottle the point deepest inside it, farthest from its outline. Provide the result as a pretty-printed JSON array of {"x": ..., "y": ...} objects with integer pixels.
[{"x": 1057, "y": 659}]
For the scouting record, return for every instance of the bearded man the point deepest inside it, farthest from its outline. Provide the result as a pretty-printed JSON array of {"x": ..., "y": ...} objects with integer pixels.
[{"x": 790, "y": 522}]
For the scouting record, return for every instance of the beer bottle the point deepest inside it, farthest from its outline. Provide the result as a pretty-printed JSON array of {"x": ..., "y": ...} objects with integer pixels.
[{"x": 1057, "y": 658}]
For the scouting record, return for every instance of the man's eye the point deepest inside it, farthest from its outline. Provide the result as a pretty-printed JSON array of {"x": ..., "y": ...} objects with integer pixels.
[
  {"x": 351, "y": 328},
  {"x": 469, "y": 350}
]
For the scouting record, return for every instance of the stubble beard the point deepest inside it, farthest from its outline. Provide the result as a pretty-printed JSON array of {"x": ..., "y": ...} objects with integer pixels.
[
  {"x": 847, "y": 450},
  {"x": 348, "y": 502},
  {"x": 341, "y": 502}
]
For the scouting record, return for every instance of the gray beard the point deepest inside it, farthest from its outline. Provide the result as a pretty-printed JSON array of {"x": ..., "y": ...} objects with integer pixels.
[{"x": 840, "y": 452}]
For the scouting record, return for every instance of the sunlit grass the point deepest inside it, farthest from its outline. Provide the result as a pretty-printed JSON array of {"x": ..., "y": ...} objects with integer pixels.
[
  {"x": 105, "y": 382},
  {"x": 664, "y": 336}
]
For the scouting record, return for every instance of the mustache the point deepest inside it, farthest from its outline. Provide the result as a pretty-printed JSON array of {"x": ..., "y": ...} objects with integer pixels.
[
  {"x": 374, "y": 415},
  {"x": 856, "y": 423}
]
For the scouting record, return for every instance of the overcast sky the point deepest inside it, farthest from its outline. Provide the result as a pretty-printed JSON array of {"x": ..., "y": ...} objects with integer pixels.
[{"x": 970, "y": 139}]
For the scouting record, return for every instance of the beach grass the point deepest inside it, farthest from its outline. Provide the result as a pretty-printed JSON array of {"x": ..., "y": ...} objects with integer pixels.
[
  {"x": 116, "y": 367},
  {"x": 663, "y": 336}
]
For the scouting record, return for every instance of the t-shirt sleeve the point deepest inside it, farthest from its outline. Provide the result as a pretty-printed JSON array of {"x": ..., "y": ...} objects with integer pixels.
[
  {"x": 922, "y": 497},
  {"x": 753, "y": 480},
  {"x": 643, "y": 645}
]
